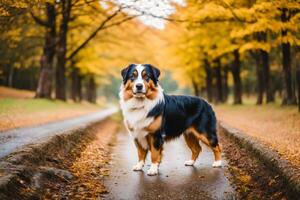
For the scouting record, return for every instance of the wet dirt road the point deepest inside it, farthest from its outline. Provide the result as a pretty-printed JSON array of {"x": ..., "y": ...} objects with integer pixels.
[
  {"x": 175, "y": 181},
  {"x": 16, "y": 139}
]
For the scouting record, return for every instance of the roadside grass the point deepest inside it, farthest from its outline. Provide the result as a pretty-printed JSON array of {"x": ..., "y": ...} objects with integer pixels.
[
  {"x": 276, "y": 126},
  {"x": 19, "y": 108},
  {"x": 8, "y": 105},
  {"x": 22, "y": 112}
]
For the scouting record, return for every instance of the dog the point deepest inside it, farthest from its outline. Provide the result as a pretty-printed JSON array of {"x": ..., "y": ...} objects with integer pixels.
[{"x": 153, "y": 117}]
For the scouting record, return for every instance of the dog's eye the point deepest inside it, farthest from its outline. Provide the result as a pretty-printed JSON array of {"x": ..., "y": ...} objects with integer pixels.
[
  {"x": 146, "y": 77},
  {"x": 133, "y": 76}
]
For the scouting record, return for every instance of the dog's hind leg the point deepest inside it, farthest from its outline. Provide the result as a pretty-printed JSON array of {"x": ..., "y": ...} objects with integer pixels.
[
  {"x": 211, "y": 141},
  {"x": 142, "y": 153},
  {"x": 193, "y": 144},
  {"x": 218, "y": 158}
]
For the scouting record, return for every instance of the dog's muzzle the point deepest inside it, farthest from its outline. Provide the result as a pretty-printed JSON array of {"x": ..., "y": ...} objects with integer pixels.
[{"x": 139, "y": 90}]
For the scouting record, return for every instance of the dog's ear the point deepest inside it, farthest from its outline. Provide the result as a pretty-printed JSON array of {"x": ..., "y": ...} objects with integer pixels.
[
  {"x": 155, "y": 72},
  {"x": 125, "y": 72}
]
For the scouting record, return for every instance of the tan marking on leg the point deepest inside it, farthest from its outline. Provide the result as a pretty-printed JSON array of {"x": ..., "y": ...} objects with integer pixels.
[
  {"x": 199, "y": 135},
  {"x": 193, "y": 144},
  {"x": 155, "y": 125},
  {"x": 217, "y": 152},
  {"x": 204, "y": 139},
  {"x": 142, "y": 153},
  {"x": 156, "y": 154}
]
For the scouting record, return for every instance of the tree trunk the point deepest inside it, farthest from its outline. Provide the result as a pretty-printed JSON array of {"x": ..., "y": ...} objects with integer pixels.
[
  {"x": 91, "y": 90},
  {"x": 225, "y": 83},
  {"x": 44, "y": 88},
  {"x": 62, "y": 50},
  {"x": 264, "y": 56},
  {"x": 289, "y": 95},
  {"x": 195, "y": 87},
  {"x": 298, "y": 84},
  {"x": 10, "y": 76},
  {"x": 208, "y": 80},
  {"x": 298, "y": 78},
  {"x": 76, "y": 85},
  {"x": 266, "y": 74},
  {"x": 259, "y": 77},
  {"x": 75, "y": 82},
  {"x": 237, "y": 82},
  {"x": 79, "y": 88},
  {"x": 219, "y": 81}
]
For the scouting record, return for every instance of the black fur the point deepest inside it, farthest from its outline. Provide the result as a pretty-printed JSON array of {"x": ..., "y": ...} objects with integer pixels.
[
  {"x": 181, "y": 112},
  {"x": 152, "y": 72},
  {"x": 126, "y": 72}
]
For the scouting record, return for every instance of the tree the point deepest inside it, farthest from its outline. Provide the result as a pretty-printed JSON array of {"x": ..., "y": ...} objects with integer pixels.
[
  {"x": 61, "y": 17},
  {"x": 254, "y": 26},
  {"x": 17, "y": 49},
  {"x": 61, "y": 49},
  {"x": 44, "y": 88}
]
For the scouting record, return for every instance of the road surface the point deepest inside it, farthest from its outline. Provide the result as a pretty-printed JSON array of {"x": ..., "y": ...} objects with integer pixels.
[
  {"x": 16, "y": 139},
  {"x": 175, "y": 181}
]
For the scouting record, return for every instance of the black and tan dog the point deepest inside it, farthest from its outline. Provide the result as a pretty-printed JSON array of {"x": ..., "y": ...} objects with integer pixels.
[{"x": 152, "y": 117}]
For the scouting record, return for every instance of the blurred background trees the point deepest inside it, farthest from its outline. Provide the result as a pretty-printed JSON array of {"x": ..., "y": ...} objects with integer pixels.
[
  {"x": 224, "y": 50},
  {"x": 257, "y": 41}
]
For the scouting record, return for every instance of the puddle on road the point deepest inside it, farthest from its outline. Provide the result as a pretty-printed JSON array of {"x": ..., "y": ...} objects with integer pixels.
[{"x": 175, "y": 181}]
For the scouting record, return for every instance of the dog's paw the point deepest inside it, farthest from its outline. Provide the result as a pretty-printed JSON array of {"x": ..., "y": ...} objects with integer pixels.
[
  {"x": 138, "y": 167},
  {"x": 189, "y": 163},
  {"x": 153, "y": 170},
  {"x": 217, "y": 163}
]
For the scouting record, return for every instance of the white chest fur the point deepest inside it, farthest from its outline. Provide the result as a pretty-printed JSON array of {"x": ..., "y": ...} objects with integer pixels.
[{"x": 135, "y": 113}]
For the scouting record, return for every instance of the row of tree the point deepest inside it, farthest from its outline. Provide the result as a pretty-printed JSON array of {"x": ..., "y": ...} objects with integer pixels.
[
  {"x": 64, "y": 37},
  {"x": 218, "y": 40},
  {"x": 224, "y": 47}
]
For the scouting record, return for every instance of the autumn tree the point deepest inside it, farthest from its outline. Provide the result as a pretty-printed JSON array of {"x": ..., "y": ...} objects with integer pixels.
[
  {"x": 45, "y": 82},
  {"x": 255, "y": 27},
  {"x": 19, "y": 44}
]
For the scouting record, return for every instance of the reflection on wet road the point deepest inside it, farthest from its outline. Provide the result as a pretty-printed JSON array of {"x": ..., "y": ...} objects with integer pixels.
[{"x": 175, "y": 181}]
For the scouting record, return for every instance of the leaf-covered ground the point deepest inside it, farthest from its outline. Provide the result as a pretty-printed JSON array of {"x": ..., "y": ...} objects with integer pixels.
[
  {"x": 275, "y": 126},
  {"x": 88, "y": 167},
  {"x": 252, "y": 179}
]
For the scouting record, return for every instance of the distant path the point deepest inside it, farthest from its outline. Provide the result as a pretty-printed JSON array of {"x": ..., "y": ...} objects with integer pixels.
[
  {"x": 175, "y": 181},
  {"x": 16, "y": 139}
]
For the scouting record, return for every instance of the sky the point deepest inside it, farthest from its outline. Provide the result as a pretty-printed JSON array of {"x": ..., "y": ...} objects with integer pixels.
[{"x": 161, "y": 8}]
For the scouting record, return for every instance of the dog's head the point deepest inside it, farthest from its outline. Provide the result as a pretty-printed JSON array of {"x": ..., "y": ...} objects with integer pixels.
[{"x": 140, "y": 81}]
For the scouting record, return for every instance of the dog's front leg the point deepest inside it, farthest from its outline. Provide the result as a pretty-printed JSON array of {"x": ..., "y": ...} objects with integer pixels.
[
  {"x": 156, "y": 153},
  {"x": 142, "y": 153}
]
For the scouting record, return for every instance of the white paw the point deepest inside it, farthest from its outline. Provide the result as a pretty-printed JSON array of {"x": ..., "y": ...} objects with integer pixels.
[
  {"x": 189, "y": 163},
  {"x": 217, "y": 163},
  {"x": 153, "y": 170},
  {"x": 138, "y": 167}
]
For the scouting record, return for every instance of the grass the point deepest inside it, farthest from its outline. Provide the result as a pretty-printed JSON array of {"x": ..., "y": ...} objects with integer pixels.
[
  {"x": 36, "y": 105},
  {"x": 273, "y": 125},
  {"x": 22, "y": 112}
]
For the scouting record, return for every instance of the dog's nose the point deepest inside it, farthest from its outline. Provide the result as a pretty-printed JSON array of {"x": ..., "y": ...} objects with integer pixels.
[{"x": 139, "y": 86}]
